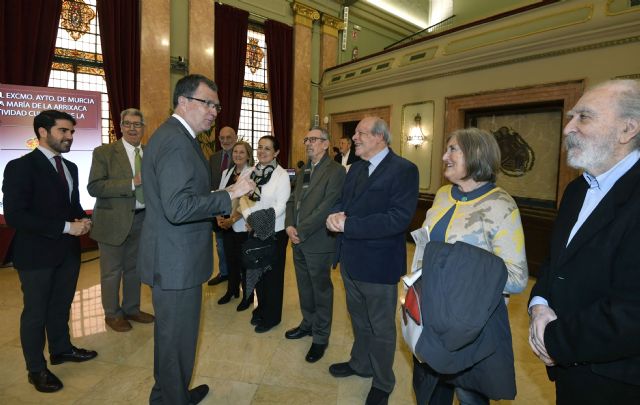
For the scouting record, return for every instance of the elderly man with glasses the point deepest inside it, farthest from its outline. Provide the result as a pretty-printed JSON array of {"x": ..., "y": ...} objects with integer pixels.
[
  {"x": 115, "y": 180},
  {"x": 316, "y": 191}
]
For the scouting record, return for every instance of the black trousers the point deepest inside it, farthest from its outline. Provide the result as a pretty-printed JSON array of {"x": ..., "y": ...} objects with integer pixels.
[
  {"x": 233, "y": 251},
  {"x": 580, "y": 385},
  {"x": 270, "y": 288},
  {"x": 47, "y": 296}
]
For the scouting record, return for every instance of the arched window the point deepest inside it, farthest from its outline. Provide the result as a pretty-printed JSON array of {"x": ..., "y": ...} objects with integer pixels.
[
  {"x": 77, "y": 62},
  {"x": 255, "y": 118}
]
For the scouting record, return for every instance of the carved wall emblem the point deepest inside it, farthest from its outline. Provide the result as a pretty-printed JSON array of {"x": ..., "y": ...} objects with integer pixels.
[{"x": 517, "y": 156}]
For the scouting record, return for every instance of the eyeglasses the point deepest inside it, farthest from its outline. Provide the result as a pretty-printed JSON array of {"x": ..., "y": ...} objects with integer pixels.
[
  {"x": 313, "y": 139},
  {"x": 128, "y": 124},
  {"x": 208, "y": 103}
]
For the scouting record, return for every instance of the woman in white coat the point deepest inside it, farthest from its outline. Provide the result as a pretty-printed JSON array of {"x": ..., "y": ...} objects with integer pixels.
[{"x": 235, "y": 229}]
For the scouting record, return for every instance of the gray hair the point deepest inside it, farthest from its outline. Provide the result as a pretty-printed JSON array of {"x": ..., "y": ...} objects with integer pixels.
[
  {"x": 628, "y": 100},
  {"x": 131, "y": 111},
  {"x": 323, "y": 132},
  {"x": 380, "y": 127}
]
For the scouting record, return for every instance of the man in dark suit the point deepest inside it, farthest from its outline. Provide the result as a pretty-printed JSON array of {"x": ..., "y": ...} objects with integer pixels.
[
  {"x": 175, "y": 253},
  {"x": 219, "y": 162},
  {"x": 377, "y": 204},
  {"x": 317, "y": 189},
  {"x": 346, "y": 157},
  {"x": 115, "y": 180},
  {"x": 585, "y": 306},
  {"x": 42, "y": 202}
]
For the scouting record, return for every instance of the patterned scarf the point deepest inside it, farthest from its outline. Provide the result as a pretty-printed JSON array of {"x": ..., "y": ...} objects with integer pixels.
[{"x": 261, "y": 176}]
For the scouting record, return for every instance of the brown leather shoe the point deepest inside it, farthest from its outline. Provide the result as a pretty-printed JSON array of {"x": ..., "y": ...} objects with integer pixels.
[
  {"x": 141, "y": 317},
  {"x": 118, "y": 324}
]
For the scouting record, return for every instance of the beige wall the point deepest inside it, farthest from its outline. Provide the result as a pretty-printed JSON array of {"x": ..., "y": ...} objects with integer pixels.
[{"x": 596, "y": 48}]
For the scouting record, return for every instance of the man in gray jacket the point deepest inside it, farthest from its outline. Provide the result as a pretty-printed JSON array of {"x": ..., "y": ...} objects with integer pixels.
[
  {"x": 175, "y": 255},
  {"x": 317, "y": 189}
]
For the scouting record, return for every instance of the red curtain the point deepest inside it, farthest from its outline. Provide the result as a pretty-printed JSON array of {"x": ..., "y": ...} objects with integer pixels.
[
  {"x": 28, "y": 31},
  {"x": 279, "y": 38},
  {"x": 120, "y": 37},
  {"x": 230, "y": 55}
]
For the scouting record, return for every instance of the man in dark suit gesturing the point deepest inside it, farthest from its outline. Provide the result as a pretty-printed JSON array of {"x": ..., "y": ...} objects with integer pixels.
[
  {"x": 585, "y": 306},
  {"x": 116, "y": 182},
  {"x": 42, "y": 202},
  {"x": 317, "y": 189},
  {"x": 175, "y": 253},
  {"x": 378, "y": 201}
]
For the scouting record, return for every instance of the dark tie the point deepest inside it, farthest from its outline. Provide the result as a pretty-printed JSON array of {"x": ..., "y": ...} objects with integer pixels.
[
  {"x": 225, "y": 161},
  {"x": 362, "y": 178},
  {"x": 60, "y": 170}
]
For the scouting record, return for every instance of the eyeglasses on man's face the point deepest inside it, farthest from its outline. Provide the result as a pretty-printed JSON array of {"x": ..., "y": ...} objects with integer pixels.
[
  {"x": 313, "y": 139},
  {"x": 129, "y": 124},
  {"x": 208, "y": 103}
]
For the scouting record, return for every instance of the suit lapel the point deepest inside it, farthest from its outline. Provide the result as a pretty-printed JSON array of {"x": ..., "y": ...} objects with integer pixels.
[
  {"x": 121, "y": 156},
  {"x": 45, "y": 167},
  {"x": 378, "y": 172},
  {"x": 194, "y": 143},
  {"x": 318, "y": 172}
]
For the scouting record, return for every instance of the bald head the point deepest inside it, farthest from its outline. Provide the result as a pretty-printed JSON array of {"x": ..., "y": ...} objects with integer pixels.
[{"x": 228, "y": 138}]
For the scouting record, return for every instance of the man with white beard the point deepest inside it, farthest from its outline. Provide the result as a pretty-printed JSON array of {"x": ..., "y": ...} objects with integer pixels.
[{"x": 585, "y": 306}]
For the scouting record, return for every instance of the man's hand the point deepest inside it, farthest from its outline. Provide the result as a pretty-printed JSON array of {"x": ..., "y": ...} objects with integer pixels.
[
  {"x": 223, "y": 222},
  {"x": 242, "y": 186},
  {"x": 80, "y": 227},
  {"x": 335, "y": 222},
  {"x": 137, "y": 180},
  {"x": 541, "y": 315},
  {"x": 292, "y": 232}
]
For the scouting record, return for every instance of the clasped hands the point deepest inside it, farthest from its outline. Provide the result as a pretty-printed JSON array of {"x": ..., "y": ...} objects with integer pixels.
[
  {"x": 80, "y": 226},
  {"x": 540, "y": 317},
  {"x": 335, "y": 222}
]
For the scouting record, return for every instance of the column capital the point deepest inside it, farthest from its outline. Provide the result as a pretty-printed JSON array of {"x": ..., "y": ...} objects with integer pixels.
[
  {"x": 331, "y": 25},
  {"x": 304, "y": 14}
]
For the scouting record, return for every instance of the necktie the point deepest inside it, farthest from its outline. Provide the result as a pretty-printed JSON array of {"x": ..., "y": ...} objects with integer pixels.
[
  {"x": 138, "y": 167},
  {"x": 225, "y": 161},
  {"x": 60, "y": 170}
]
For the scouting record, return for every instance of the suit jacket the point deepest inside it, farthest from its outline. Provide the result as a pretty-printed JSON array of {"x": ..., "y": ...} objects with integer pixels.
[
  {"x": 110, "y": 182},
  {"x": 372, "y": 247},
  {"x": 307, "y": 210},
  {"x": 176, "y": 246},
  {"x": 593, "y": 284},
  {"x": 215, "y": 161},
  {"x": 352, "y": 157},
  {"x": 37, "y": 206}
]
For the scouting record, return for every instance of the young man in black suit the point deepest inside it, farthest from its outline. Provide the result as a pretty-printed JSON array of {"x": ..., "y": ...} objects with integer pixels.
[{"x": 42, "y": 202}]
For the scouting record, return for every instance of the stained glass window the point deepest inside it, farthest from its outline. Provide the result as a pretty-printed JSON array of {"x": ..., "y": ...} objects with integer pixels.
[
  {"x": 255, "y": 118},
  {"x": 77, "y": 63}
]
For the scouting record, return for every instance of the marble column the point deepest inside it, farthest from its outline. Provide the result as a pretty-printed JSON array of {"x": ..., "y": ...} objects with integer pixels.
[
  {"x": 155, "y": 84},
  {"x": 304, "y": 16},
  {"x": 328, "y": 58},
  {"x": 201, "y": 34}
]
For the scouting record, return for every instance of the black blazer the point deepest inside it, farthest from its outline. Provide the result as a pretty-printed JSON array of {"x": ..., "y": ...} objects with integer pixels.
[
  {"x": 372, "y": 247},
  {"x": 35, "y": 205},
  {"x": 593, "y": 284}
]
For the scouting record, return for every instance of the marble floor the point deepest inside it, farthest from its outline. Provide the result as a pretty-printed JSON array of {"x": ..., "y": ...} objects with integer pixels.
[{"x": 240, "y": 366}]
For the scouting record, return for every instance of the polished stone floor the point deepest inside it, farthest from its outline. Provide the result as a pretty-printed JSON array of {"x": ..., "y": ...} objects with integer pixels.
[{"x": 240, "y": 366}]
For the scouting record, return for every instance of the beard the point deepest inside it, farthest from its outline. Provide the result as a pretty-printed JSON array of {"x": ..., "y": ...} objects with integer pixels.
[{"x": 588, "y": 155}]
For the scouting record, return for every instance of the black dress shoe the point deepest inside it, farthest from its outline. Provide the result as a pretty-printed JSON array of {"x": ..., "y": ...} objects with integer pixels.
[
  {"x": 377, "y": 397},
  {"x": 227, "y": 297},
  {"x": 297, "y": 333},
  {"x": 217, "y": 279},
  {"x": 340, "y": 370},
  {"x": 262, "y": 328},
  {"x": 75, "y": 355},
  {"x": 198, "y": 393},
  {"x": 316, "y": 352},
  {"x": 244, "y": 304},
  {"x": 45, "y": 381}
]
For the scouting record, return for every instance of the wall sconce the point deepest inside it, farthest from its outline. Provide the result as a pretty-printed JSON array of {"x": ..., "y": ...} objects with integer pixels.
[
  {"x": 416, "y": 137},
  {"x": 179, "y": 64}
]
